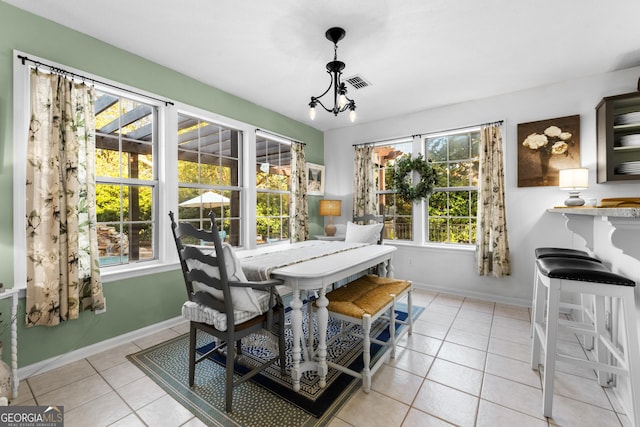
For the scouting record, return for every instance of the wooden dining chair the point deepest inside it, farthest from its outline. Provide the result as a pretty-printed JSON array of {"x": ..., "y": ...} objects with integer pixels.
[{"x": 222, "y": 303}]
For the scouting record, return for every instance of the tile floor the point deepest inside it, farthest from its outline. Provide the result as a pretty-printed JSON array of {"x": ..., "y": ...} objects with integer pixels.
[{"x": 466, "y": 364}]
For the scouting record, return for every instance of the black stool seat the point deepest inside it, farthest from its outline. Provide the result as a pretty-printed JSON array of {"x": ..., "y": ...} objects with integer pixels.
[
  {"x": 580, "y": 270},
  {"x": 562, "y": 252}
]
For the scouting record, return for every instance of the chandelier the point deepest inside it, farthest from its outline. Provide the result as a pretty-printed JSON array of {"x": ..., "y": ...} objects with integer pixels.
[{"x": 340, "y": 100}]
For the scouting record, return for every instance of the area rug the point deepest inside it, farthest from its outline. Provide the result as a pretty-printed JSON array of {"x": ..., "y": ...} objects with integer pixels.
[{"x": 266, "y": 400}]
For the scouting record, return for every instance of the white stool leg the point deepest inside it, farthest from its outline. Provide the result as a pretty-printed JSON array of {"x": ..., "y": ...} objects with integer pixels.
[
  {"x": 632, "y": 353},
  {"x": 538, "y": 319},
  {"x": 392, "y": 327},
  {"x": 598, "y": 346},
  {"x": 366, "y": 353},
  {"x": 553, "y": 311},
  {"x": 587, "y": 304}
]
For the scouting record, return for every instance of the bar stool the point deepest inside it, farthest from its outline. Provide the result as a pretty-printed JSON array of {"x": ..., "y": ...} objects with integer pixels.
[
  {"x": 555, "y": 275},
  {"x": 584, "y": 308}
]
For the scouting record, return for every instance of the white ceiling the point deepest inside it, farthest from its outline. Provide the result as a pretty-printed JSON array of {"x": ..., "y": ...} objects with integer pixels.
[{"x": 417, "y": 54}]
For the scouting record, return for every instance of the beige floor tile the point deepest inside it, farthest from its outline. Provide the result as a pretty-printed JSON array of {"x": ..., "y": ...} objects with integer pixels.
[
  {"x": 43, "y": 383},
  {"x": 516, "y": 312},
  {"x": 194, "y": 422},
  {"x": 443, "y": 309},
  {"x": 456, "y": 376},
  {"x": 445, "y": 319},
  {"x": 101, "y": 411},
  {"x": 422, "y": 298},
  {"x": 131, "y": 420},
  {"x": 397, "y": 383},
  {"x": 24, "y": 393},
  {"x": 475, "y": 316},
  {"x": 122, "y": 374},
  {"x": 512, "y": 369},
  {"x": 520, "y": 327},
  {"x": 181, "y": 328},
  {"x": 582, "y": 389},
  {"x": 412, "y": 361},
  {"x": 513, "y": 395},
  {"x": 430, "y": 329},
  {"x": 478, "y": 305},
  {"x": 416, "y": 418},
  {"x": 450, "y": 300},
  {"x": 472, "y": 326},
  {"x": 157, "y": 338},
  {"x": 468, "y": 339},
  {"x": 421, "y": 343},
  {"x": 446, "y": 403},
  {"x": 337, "y": 422},
  {"x": 510, "y": 349},
  {"x": 463, "y": 355},
  {"x": 164, "y": 412},
  {"x": 110, "y": 358},
  {"x": 492, "y": 415},
  {"x": 373, "y": 410},
  {"x": 140, "y": 392},
  {"x": 73, "y": 395},
  {"x": 508, "y": 334},
  {"x": 571, "y": 413}
]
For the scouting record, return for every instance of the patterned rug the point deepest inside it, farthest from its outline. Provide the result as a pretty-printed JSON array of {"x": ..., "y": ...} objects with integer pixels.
[{"x": 266, "y": 400}]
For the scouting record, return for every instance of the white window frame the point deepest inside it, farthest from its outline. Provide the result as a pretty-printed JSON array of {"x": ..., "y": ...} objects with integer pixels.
[{"x": 167, "y": 172}]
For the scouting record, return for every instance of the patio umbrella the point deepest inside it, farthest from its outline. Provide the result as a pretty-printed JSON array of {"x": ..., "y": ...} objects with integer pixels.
[{"x": 208, "y": 199}]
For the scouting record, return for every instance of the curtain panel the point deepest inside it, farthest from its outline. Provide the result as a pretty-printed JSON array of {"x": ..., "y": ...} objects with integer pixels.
[
  {"x": 364, "y": 181},
  {"x": 63, "y": 273},
  {"x": 299, "y": 214},
  {"x": 492, "y": 245}
]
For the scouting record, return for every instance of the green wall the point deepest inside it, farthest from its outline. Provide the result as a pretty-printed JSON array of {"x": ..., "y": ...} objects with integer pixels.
[{"x": 135, "y": 303}]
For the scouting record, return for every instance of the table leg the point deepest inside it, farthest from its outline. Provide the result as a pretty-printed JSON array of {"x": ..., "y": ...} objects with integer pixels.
[
  {"x": 296, "y": 328},
  {"x": 322, "y": 314},
  {"x": 390, "y": 268}
]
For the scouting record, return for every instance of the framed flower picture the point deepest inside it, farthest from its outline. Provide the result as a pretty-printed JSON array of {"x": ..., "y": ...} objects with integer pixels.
[
  {"x": 545, "y": 147},
  {"x": 315, "y": 179}
]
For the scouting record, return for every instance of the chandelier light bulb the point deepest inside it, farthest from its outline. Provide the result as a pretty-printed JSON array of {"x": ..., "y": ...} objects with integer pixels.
[
  {"x": 352, "y": 115},
  {"x": 312, "y": 113},
  {"x": 342, "y": 101}
]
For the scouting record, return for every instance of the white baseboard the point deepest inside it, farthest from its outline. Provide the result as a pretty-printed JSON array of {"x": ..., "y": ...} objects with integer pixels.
[
  {"x": 477, "y": 295},
  {"x": 90, "y": 350}
]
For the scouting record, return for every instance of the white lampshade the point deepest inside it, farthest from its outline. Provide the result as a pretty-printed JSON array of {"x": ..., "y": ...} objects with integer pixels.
[{"x": 574, "y": 179}]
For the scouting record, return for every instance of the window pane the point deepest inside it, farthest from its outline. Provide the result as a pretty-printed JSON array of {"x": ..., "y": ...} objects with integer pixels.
[
  {"x": 438, "y": 204},
  {"x": 459, "y": 174},
  {"x": 459, "y": 147},
  {"x": 137, "y": 203},
  {"x": 460, "y": 230},
  {"x": 437, "y": 149},
  {"x": 459, "y": 203},
  {"x": 442, "y": 175},
  {"x": 438, "y": 230}
]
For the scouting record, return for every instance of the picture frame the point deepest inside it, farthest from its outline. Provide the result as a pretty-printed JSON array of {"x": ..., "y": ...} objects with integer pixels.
[
  {"x": 315, "y": 179},
  {"x": 545, "y": 147}
]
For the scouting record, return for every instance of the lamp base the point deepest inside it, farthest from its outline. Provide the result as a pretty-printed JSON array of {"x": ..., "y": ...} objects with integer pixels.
[
  {"x": 330, "y": 230},
  {"x": 574, "y": 199}
]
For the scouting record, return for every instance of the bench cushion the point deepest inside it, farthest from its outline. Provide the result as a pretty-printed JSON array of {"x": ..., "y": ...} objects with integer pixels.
[{"x": 366, "y": 295}]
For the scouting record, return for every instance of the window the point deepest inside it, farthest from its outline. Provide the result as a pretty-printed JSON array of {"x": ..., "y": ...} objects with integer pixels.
[
  {"x": 273, "y": 189},
  {"x": 453, "y": 205},
  {"x": 398, "y": 215},
  {"x": 126, "y": 179},
  {"x": 209, "y": 176}
]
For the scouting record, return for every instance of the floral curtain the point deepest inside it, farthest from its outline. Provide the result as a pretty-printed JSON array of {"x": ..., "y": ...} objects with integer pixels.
[
  {"x": 364, "y": 181},
  {"x": 63, "y": 274},
  {"x": 492, "y": 245},
  {"x": 299, "y": 212}
]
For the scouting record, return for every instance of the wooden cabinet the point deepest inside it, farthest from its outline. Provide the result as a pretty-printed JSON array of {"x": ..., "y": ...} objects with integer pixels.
[{"x": 618, "y": 133}]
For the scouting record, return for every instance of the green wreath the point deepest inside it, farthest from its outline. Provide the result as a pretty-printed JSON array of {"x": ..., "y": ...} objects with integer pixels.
[{"x": 402, "y": 178}]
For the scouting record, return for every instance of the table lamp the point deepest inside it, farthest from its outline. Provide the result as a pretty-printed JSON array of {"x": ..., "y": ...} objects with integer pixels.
[
  {"x": 574, "y": 180},
  {"x": 330, "y": 208}
]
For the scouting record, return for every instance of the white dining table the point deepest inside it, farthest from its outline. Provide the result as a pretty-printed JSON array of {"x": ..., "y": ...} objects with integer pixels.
[{"x": 317, "y": 275}]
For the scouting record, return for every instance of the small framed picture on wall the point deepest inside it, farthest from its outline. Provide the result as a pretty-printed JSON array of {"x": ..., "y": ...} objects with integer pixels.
[
  {"x": 315, "y": 179},
  {"x": 545, "y": 147}
]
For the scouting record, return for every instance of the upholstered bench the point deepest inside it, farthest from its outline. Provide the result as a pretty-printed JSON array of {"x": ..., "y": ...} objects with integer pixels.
[
  {"x": 556, "y": 275},
  {"x": 362, "y": 302}
]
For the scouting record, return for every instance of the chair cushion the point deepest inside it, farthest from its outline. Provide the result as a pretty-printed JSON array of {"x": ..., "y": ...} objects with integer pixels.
[
  {"x": 562, "y": 252},
  {"x": 580, "y": 269},
  {"x": 195, "y": 312},
  {"x": 357, "y": 233},
  {"x": 244, "y": 299}
]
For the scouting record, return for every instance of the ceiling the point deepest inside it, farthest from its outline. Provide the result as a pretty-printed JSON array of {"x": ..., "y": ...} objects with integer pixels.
[{"x": 416, "y": 54}]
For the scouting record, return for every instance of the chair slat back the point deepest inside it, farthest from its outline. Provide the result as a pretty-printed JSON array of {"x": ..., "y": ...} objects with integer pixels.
[{"x": 184, "y": 232}]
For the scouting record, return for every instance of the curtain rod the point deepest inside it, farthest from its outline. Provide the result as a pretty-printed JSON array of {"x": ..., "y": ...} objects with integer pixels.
[
  {"x": 280, "y": 136},
  {"x": 60, "y": 71},
  {"x": 497, "y": 122}
]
